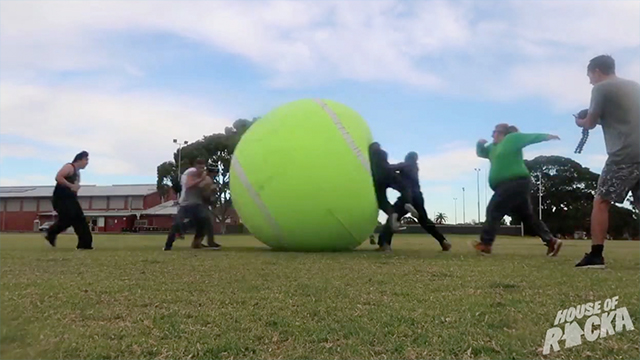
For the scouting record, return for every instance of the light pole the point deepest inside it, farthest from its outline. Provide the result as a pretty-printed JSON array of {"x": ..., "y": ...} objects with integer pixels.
[
  {"x": 486, "y": 184},
  {"x": 180, "y": 145},
  {"x": 455, "y": 207},
  {"x": 478, "y": 185},
  {"x": 540, "y": 196},
  {"x": 464, "y": 215}
]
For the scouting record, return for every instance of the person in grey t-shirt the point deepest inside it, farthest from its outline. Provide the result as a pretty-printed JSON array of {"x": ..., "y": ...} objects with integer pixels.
[
  {"x": 615, "y": 106},
  {"x": 192, "y": 207}
]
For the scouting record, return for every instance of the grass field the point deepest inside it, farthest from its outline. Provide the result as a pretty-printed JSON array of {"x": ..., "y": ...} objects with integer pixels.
[{"x": 128, "y": 299}]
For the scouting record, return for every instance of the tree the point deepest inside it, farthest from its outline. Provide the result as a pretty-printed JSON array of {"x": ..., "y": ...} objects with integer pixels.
[
  {"x": 440, "y": 218},
  {"x": 216, "y": 149},
  {"x": 568, "y": 190}
]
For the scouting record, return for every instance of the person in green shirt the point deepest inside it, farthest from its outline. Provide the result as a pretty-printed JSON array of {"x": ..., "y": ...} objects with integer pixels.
[{"x": 510, "y": 181}]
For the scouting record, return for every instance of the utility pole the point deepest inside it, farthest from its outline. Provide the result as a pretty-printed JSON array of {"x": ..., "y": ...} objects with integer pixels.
[
  {"x": 455, "y": 207},
  {"x": 464, "y": 215},
  {"x": 540, "y": 195},
  {"x": 478, "y": 185}
]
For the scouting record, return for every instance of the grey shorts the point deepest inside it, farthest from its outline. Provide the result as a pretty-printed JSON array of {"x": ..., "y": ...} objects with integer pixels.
[{"x": 616, "y": 181}]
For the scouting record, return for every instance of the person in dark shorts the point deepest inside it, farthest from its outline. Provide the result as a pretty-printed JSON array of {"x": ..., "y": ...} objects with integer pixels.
[
  {"x": 510, "y": 181},
  {"x": 385, "y": 176},
  {"x": 191, "y": 205},
  {"x": 409, "y": 175},
  {"x": 615, "y": 106},
  {"x": 65, "y": 203}
]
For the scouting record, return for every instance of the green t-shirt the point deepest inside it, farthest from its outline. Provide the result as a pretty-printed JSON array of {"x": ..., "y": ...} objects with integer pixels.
[{"x": 506, "y": 158}]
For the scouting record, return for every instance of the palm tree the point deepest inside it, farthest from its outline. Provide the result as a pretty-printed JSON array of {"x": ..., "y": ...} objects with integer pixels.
[{"x": 441, "y": 218}]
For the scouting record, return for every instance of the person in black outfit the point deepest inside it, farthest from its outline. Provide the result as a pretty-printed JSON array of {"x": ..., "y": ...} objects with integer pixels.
[
  {"x": 385, "y": 176},
  {"x": 65, "y": 203},
  {"x": 409, "y": 174}
]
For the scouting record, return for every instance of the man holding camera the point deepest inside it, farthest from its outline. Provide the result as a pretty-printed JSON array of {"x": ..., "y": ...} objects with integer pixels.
[{"x": 615, "y": 106}]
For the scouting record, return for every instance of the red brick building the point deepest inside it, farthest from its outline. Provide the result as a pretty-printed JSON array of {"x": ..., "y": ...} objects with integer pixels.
[
  {"x": 108, "y": 208},
  {"x": 114, "y": 208}
]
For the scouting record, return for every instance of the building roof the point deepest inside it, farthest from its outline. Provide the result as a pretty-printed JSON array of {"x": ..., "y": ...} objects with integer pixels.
[
  {"x": 166, "y": 208},
  {"x": 85, "y": 190}
]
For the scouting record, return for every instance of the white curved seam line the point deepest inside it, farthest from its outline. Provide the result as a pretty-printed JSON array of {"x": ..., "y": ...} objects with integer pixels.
[
  {"x": 345, "y": 134},
  {"x": 235, "y": 164}
]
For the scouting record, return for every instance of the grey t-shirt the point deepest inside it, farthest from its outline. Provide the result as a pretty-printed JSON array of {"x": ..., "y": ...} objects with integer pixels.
[
  {"x": 616, "y": 102},
  {"x": 192, "y": 195}
]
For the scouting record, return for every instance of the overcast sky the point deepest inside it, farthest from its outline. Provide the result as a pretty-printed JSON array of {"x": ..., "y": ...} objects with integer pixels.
[{"x": 428, "y": 76}]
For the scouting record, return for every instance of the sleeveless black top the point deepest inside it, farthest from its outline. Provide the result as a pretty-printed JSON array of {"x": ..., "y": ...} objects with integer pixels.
[{"x": 61, "y": 191}]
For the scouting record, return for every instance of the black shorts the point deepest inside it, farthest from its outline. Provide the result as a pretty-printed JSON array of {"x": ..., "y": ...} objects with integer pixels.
[{"x": 616, "y": 181}]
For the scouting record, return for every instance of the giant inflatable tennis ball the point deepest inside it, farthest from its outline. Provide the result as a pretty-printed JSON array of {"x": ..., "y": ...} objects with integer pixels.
[{"x": 301, "y": 180}]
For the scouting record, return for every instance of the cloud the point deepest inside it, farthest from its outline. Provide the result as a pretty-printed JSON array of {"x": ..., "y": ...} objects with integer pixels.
[
  {"x": 28, "y": 179},
  {"x": 125, "y": 133},
  {"x": 18, "y": 150},
  {"x": 449, "y": 165},
  {"x": 499, "y": 50}
]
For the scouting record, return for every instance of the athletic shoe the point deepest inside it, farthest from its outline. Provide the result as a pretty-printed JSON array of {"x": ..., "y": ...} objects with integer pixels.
[
  {"x": 591, "y": 261},
  {"x": 213, "y": 245},
  {"x": 372, "y": 240},
  {"x": 51, "y": 240},
  {"x": 411, "y": 210},
  {"x": 482, "y": 248},
  {"x": 553, "y": 247},
  {"x": 446, "y": 245}
]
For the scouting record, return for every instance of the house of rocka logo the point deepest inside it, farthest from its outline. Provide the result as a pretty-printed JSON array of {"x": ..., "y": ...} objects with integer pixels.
[{"x": 603, "y": 319}]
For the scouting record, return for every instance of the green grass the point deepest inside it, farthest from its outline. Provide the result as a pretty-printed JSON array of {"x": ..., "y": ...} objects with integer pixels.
[{"x": 128, "y": 299}]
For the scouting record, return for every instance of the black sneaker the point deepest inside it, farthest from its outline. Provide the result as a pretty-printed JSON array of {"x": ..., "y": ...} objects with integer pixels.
[
  {"x": 214, "y": 245},
  {"x": 446, "y": 245},
  {"x": 590, "y": 261},
  {"x": 50, "y": 239},
  {"x": 372, "y": 240}
]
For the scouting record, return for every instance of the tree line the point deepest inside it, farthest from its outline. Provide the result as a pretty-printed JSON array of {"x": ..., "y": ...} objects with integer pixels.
[{"x": 568, "y": 188}]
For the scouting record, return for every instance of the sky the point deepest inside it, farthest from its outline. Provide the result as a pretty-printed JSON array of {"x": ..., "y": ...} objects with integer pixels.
[{"x": 121, "y": 79}]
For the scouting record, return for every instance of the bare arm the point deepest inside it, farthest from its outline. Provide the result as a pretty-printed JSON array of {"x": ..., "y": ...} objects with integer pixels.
[
  {"x": 193, "y": 179},
  {"x": 481, "y": 150}
]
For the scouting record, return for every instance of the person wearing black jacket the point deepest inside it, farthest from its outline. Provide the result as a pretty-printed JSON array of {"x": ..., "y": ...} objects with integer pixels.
[
  {"x": 65, "y": 203},
  {"x": 384, "y": 177},
  {"x": 408, "y": 171}
]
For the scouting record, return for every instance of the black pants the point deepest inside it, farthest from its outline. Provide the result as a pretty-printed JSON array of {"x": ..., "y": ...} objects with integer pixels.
[
  {"x": 394, "y": 181},
  {"x": 197, "y": 216},
  {"x": 386, "y": 234},
  {"x": 512, "y": 197},
  {"x": 70, "y": 214}
]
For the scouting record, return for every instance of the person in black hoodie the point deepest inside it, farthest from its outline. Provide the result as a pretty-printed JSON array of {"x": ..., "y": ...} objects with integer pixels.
[
  {"x": 385, "y": 176},
  {"x": 408, "y": 171},
  {"x": 65, "y": 203}
]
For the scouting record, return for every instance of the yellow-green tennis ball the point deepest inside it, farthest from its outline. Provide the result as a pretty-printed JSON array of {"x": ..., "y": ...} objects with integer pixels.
[{"x": 301, "y": 180}]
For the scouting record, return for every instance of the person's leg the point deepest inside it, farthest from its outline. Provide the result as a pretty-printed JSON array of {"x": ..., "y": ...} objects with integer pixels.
[
  {"x": 211, "y": 242},
  {"x": 406, "y": 194},
  {"x": 614, "y": 184},
  {"x": 499, "y": 205},
  {"x": 63, "y": 221},
  {"x": 384, "y": 239},
  {"x": 80, "y": 226},
  {"x": 426, "y": 223},
  {"x": 524, "y": 210},
  {"x": 175, "y": 228}
]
